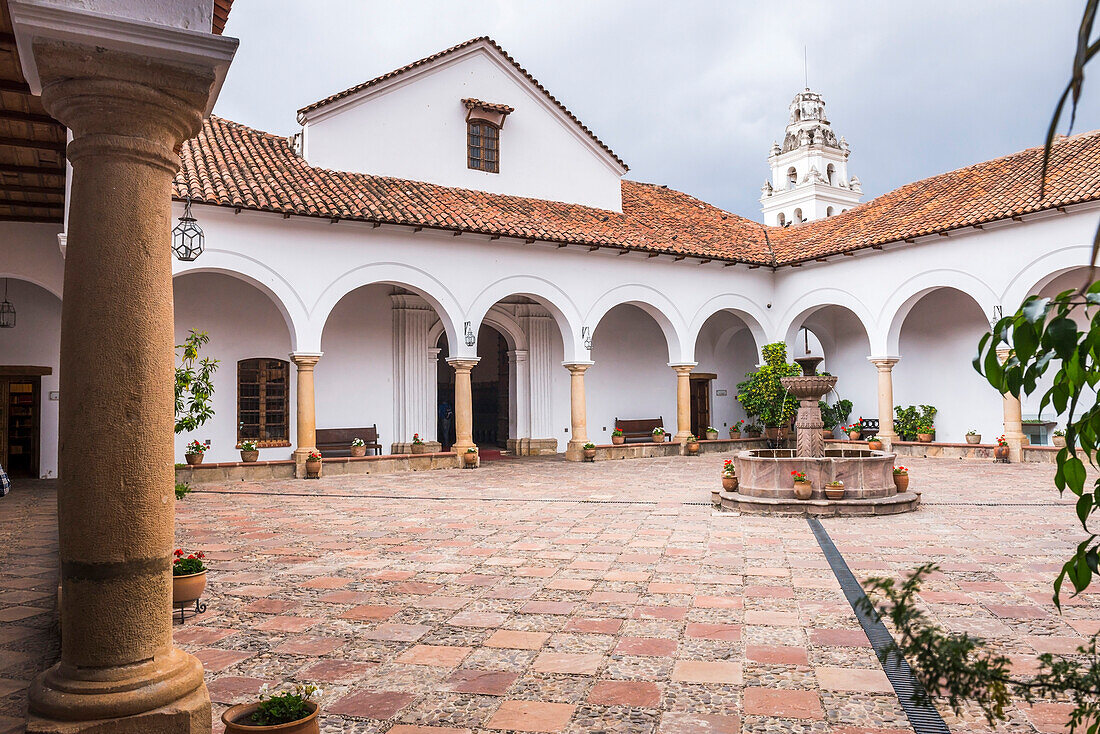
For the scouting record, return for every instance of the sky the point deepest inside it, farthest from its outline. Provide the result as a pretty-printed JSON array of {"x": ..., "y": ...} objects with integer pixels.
[{"x": 692, "y": 93}]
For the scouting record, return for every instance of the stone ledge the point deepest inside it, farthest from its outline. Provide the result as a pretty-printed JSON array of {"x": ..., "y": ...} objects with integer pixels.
[
  {"x": 339, "y": 465},
  {"x": 899, "y": 503}
]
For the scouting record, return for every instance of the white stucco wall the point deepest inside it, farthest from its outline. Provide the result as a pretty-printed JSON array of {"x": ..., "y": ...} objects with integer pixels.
[{"x": 414, "y": 127}]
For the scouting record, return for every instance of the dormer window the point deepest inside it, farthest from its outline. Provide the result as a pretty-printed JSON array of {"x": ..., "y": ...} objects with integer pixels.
[{"x": 484, "y": 121}]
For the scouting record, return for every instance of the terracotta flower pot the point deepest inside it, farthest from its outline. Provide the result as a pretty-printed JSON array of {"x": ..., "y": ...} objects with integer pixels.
[
  {"x": 735, "y": 434},
  {"x": 237, "y": 721},
  {"x": 924, "y": 437},
  {"x": 358, "y": 450},
  {"x": 803, "y": 490},
  {"x": 188, "y": 588},
  {"x": 712, "y": 435},
  {"x": 901, "y": 481},
  {"x": 659, "y": 437},
  {"x": 774, "y": 434},
  {"x": 875, "y": 445},
  {"x": 1059, "y": 441},
  {"x": 618, "y": 440},
  {"x": 470, "y": 459},
  {"x": 193, "y": 459},
  {"x": 973, "y": 438},
  {"x": 834, "y": 491},
  {"x": 249, "y": 456},
  {"x": 692, "y": 448},
  {"x": 854, "y": 435},
  {"x": 313, "y": 468},
  {"x": 729, "y": 483},
  {"x": 1000, "y": 452},
  {"x": 418, "y": 448},
  {"x": 589, "y": 454}
]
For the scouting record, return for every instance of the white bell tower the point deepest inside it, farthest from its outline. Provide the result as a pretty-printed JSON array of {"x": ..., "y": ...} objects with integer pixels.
[{"x": 810, "y": 172}]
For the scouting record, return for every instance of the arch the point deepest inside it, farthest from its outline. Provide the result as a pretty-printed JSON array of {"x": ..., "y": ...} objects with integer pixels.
[
  {"x": 814, "y": 300},
  {"x": 398, "y": 274},
  {"x": 507, "y": 326},
  {"x": 829, "y": 212},
  {"x": 266, "y": 280},
  {"x": 792, "y": 176},
  {"x": 655, "y": 303},
  {"x": 797, "y": 218},
  {"x": 830, "y": 174},
  {"x": 546, "y": 294},
  {"x": 740, "y": 306},
  {"x": 1034, "y": 276},
  {"x": 907, "y": 294},
  {"x": 48, "y": 287},
  {"x": 782, "y": 219}
]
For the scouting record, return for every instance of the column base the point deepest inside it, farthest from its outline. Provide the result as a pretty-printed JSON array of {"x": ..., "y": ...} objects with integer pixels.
[
  {"x": 888, "y": 441},
  {"x": 681, "y": 437},
  {"x": 188, "y": 715},
  {"x": 532, "y": 446},
  {"x": 574, "y": 451},
  {"x": 1015, "y": 447},
  {"x": 300, "y": 456}
]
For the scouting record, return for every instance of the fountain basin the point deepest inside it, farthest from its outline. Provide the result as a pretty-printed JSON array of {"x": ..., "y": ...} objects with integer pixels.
[{"x": 766, "y": 473}]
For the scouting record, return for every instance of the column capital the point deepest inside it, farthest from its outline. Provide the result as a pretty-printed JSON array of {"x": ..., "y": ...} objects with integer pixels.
[
  {"x": 884, "y": 363},
  {"x": 517, "y": 355},
  {"x": 577, "y": 368},
  {"x": 683, "y": 367},
  {"x": 463, "y": 364},
  {"x": 305, "y": 359}
]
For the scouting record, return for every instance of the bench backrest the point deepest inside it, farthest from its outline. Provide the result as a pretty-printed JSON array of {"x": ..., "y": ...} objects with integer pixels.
[
  {"x": 343, "y": 436},
  {"x": 638, "y": 427},
  {"x": 868, "y": 424}
]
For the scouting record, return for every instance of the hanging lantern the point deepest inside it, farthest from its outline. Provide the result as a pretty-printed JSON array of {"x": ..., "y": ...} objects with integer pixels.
[
  {"x": 470, "y": 339},
  {"x": 187, "y": 237},
  {"x": 586, "y": 337},
  {"x": 7, "y": 311}
]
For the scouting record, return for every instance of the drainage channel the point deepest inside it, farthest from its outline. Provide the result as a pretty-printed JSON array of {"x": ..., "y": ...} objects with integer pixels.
[
  {"x": 651, "y": 503},
  {"x": 922, "y": 715}
]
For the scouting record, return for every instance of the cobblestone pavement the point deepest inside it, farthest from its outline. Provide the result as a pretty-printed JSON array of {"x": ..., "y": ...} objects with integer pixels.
[{"x": 541, "y": 596}]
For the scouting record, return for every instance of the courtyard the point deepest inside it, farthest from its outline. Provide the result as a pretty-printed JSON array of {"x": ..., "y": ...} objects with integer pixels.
[{"x": 540, "y": 595}]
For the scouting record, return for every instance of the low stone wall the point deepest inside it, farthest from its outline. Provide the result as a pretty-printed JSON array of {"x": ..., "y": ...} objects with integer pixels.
[
  {"x": 337, "y": 466},
  {"x": 532, "y": 446},
  {"x": 1041, "y": 454},
  {"x": 649, "y": 450}
]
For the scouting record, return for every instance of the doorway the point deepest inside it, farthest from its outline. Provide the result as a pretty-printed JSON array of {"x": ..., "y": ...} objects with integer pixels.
[
  {"x": 700, "y": 402},
  {"x": 490, "y": 391},
  {"x": 20, "y": 419}
]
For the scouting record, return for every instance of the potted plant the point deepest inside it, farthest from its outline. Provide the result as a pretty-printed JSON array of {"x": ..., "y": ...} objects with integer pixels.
[
  {"x": 188, "y": 577},
  {"x": 589, "y": 451},
  {"x": 249, "y": 452},
  {"x": 289, "y": 712},
  {"x": 313, "y": 464},
  {"x": 834, "y": 490},
  {"x": 418, "y": 446},
  {"x": 358, "y": 447},
  {"x": 854, "y": 431},
  {"x": 194, "y": 452},
  {"x": 762, "y": 394},
  {"x": 803, "y": 490},
  {"x": 972, "y": 436},
  {"x": 658, "y": 434},
  {"x": 712, "y": 433},
  {"x": 729, "y": 476},
  {"x": 691, "y": 445},
  {"x": 617, "y": 437},
  {"x": 925, "y": 432},
  {"x": 752, "y": 430},
  {"x": 1000, "y": 451},
  {"x": 469, "y": 459},
  {"x": 1059, "y": 438},
  {"x": 909, "y": 420},
  {"x": 875, "y": 443},
  {"x": 901, "y": 478},
  {"x": 735, "y": 429}
]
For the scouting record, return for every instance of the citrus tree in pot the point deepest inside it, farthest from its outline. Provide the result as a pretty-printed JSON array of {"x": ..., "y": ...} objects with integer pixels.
[
  {"x": 762, "y": 395},
  {"x": 289, "y": 712}
]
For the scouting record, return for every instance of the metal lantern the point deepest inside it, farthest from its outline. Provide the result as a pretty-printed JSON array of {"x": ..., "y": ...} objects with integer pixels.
[
  {"x": 586, "y": 337},
  {"x": 998, "y": 314},
  {"x": 187, "y": 237},
  {"x": 470, "y": 339},
  {"x": 7, "y": 311}
]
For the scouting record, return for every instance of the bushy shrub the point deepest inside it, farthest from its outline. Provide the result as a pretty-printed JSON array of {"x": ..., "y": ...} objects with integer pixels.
[{"x": 762, "y": 395}]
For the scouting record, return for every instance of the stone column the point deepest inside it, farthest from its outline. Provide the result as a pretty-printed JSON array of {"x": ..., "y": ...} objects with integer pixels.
[
  {"x": 885, "y": 366},
  {"x": 578, "y": 411},
  {"x": 128, "y": 112},
  {"x": 464, "y": 404},
  {"x": 683, "y": 401},
  {"x": 1013, "y": 418},
  {"x": 305, "y": 410},
  {"x": 414, "y": 384}
]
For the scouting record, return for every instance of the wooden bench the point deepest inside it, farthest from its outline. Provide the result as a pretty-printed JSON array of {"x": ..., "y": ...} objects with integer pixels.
[
  {"x": 337, "y": 441},
  {"x": 639, "y": 430}
]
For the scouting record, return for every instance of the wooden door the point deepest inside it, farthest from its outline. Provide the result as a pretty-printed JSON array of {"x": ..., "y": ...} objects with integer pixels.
[
  {"x": 700, "y": 406},
  {"x": 19, "y": 438}
]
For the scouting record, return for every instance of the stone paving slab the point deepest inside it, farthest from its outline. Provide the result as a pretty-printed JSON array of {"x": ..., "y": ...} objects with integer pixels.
[{"x": 537, "y": 595}]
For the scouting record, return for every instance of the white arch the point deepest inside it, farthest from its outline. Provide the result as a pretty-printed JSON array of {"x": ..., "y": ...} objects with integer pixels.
[
  {"x": 741, "y": 307},
  {"x": 260, "y": 276},
  {"x": 546, "y": 294},
  {"x": 48, "y": 287},
  {"x": 659, "y": 306},
  {"x": 811, "y": 301},
  {"x": 507, "y": 326},
  {"x": 1034, "y": 276},
  {"x": 905, "y": 296},
  {"x": 399, "y": 274}
]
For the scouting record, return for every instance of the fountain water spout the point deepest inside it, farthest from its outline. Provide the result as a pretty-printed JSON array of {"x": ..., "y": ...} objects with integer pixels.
[{"x": 809, "y": 388}]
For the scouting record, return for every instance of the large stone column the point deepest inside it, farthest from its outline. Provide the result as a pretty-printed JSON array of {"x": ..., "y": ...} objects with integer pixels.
[
  {"x": 683, "y": 401},
  {"x": 578, "y": 411},
  {"x": 885, "y": 366},
  {"x": 464, "y": 403},
  {"x": 305, "y": 409},
  {"x": 1013, "y": 418},
  {"x": 128, "y": 112}
]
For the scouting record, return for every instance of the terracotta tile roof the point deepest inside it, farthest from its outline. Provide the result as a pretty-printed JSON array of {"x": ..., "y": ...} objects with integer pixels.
[
  {"x": 472, "y": 104},
  {"x": 984, "y": 192},
  {"x": 229, "y": 164},
  {"x": 221, "y": 15},
  {"x": 447, "y": 52}
]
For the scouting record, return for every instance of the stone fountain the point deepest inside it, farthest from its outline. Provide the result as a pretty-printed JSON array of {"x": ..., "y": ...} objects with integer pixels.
[{"x": 764, "y": 475}]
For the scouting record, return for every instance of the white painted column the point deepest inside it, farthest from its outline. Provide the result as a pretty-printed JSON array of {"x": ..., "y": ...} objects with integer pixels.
[
  {"x": 519, "y": 381},
  {"x": 414, "y": 384},
  {"x": 538, "y": 327},
  {"x": 432, "y": 433}
]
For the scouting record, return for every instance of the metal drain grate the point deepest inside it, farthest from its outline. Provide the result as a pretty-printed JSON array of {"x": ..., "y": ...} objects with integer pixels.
[{"x": 923, "y": 716}]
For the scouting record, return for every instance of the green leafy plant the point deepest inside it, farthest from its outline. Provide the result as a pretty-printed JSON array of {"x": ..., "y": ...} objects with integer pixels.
[
  {"x": 194, "y": 384},
  {"x": 590, "y": 446},
  {"x": 248, "y": 446},
  {"x": 908, "y": 420},
  {"x": 182, "y": 490},
  {"x": 288, "y": 706},
  {"x": 189, "y": 564},
  {"x": 762, "y": 395}
]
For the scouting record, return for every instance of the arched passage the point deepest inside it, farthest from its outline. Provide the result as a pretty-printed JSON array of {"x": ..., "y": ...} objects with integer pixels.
[
  {"x": 29, "y": 366},
  {"x": 492, "y": 388},
  {"x": 726, "y": 349},
  {"x": 243, "y": 323}
]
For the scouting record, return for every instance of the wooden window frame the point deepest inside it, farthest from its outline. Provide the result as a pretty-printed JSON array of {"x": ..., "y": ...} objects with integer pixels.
[
  {"x": 475, "y": 161},
  {"x": 263, "y": 440}
]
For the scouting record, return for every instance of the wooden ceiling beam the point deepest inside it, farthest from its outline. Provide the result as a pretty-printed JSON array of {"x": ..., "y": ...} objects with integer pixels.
[
  {"x": 33, "y": 144},
  {"x": 10, "y": 85},
  {"x": 19, "y": 116},
  {"x": 25, "y": 218},
  {"x": 12, "y": 188},
  {"x": 33, "y": 170},
  {"x": 33, "y": 204}
]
